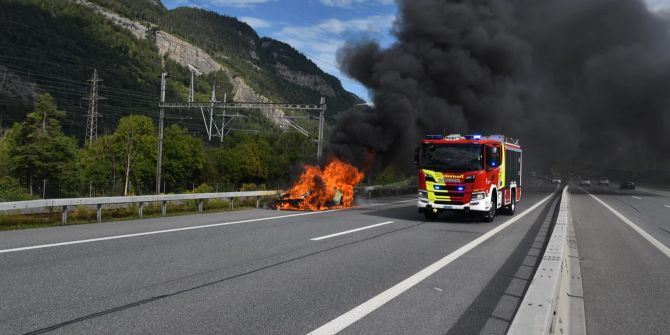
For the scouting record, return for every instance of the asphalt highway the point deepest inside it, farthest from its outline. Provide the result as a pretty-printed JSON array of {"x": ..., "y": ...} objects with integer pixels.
[
  {"x": 376, "y": 269},
  {"x": 625, "y": 265}
]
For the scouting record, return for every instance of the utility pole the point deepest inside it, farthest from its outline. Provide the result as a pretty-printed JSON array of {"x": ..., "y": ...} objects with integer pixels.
[
  {"x": 92, "y": 116},
  {"x": 322, "y": 113},
  {"x": 211, "y": 111},
  {"x": 190, "y": 89},
  {"x": 223, "y": 118},
  {"x": 160, "y": 135}
]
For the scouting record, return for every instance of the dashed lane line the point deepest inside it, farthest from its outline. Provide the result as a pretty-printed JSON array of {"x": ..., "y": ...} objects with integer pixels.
[{"x": 350, "y": 231}]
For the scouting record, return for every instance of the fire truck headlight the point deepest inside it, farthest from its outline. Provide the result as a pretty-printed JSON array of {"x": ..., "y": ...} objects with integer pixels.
[
  {"x": 423, "y": 194},
  {"x": 478, "y": 196}
]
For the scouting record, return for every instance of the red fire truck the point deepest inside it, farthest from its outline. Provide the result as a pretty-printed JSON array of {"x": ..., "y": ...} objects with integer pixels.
[{"x": 472, "y": 173}]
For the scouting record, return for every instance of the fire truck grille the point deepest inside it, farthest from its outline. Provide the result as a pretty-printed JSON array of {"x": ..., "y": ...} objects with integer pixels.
[
  {"x": 449, "y": 194},
  {"x": 445, "y": 202}
]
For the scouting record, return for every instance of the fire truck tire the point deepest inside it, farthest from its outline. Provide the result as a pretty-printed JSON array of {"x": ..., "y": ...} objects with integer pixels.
[
  {"x": 511, "y": 208},
  {"x": 430, "y": 216},
  {"x": 491, "y": 214}
]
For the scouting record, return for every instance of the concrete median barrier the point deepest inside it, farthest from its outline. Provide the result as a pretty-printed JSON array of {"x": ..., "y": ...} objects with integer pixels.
[{"x": 554, "y": 301}]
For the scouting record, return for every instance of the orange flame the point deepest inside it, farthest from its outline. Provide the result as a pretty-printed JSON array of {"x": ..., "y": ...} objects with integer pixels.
[{"x": 320, "y": 189}]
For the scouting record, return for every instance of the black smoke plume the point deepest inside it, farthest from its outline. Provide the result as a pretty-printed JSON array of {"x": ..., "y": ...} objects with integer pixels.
[{"x": 574, "y": 80}]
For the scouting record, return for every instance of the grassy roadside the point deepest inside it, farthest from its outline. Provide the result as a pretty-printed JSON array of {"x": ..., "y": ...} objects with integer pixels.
[{"x": 87, "y": 215}]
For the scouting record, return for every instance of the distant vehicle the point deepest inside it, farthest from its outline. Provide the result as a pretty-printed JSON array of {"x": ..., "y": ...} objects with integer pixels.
[
  {"x": 627, "y": 185},
  {"x": 604, "y": 181},
  {"x": 556, "y": 180},
  {"x": 585, "y": 182}
]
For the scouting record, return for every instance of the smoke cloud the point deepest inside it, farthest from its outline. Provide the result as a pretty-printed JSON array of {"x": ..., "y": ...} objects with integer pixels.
[{"x": 574, "y": 80}]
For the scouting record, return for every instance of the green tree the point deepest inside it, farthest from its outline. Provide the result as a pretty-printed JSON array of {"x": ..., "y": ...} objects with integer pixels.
[
  {"x": 246, "y": 162},
  {"x": 5, "y": 159},
  {"x": 183, "y": 157},
  {"x": 100, "y": 164},
  {"x": 252, "y": 157},
  {"x": 11, "y": 190},
  {"x": 39, "y": 149},
  {"x": 135, "y": 146}
]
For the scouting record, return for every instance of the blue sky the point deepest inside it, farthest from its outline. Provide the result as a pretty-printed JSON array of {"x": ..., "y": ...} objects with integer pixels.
[{"x": 318, "y": 28}]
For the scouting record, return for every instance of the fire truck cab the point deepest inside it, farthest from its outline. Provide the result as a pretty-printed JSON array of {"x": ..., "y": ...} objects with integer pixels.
[{"x": 472, "y": 173}]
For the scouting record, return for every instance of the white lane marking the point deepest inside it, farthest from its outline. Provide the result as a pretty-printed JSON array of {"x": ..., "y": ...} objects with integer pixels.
[
  {"x": 667, "y": 206},
  {"x": 174, "y": 230},
  {"x": 665, "y": 250},
  {"x": 638, "y": 198},
  {"x": 348, "y": 318},
  {"x": 350, "y": 231},
  {"x": 155, "y": 232}
]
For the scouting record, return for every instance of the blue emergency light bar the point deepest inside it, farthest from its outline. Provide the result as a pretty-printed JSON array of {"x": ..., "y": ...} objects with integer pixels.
[
  {"x": 434, "y": 137},
  {"x": 473, "y": 137}
]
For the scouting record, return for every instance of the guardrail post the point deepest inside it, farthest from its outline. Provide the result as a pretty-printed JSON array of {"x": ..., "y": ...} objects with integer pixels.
[
  {"x": 140, "y": 209},
  {"x": 164, "y": 208},
  {"x": 63, "y": 215},
  {"x": 98, "y": 212},
  {"x": 232, "y": 203},
  {"x": 258, "y": 202},
  {"x": 200, "y": 205}
]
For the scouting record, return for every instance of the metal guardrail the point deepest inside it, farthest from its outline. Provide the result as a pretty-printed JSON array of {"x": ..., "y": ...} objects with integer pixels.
[
  {"x": 65, "y": 204},
  {"x": 554, "y": 302}
]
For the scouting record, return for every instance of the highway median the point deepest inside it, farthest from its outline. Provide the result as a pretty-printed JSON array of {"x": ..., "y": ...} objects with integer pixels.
[{"x": 554, "y": 301}]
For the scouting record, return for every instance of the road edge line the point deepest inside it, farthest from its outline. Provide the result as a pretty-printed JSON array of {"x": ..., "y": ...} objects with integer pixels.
[
  {"x": 656, "y": 243},
  {"x": 345, "y": 320}
]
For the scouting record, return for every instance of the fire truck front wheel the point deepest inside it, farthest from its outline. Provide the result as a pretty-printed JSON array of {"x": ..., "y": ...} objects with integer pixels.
[{"x": 489, "y": 215}]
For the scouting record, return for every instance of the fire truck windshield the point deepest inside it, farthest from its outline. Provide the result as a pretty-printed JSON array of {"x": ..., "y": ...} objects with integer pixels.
[{"x": 452, "y": 157}]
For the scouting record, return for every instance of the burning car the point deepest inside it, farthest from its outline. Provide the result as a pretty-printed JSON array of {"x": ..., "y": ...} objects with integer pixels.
[{"x": 322, "y": 188}]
